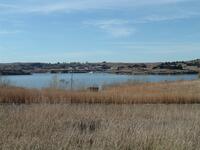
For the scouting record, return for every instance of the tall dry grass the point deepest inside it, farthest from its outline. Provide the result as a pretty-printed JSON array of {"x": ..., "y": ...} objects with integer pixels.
[
  {"x": 99, "y": 127},
  {"x": 165, "y": 92}
]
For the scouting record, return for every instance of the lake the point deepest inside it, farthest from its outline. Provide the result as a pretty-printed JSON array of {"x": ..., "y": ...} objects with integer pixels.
[{"x": 84, "y": 80}]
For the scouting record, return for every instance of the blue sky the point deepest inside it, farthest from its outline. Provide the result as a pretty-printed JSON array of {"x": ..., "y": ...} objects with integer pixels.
[{"x": 101, "y": 30}]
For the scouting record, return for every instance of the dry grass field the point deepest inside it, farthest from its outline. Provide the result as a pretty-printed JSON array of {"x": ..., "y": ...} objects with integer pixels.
[
  {"x": 100, "y": 127},
  {"x": 179, "y": 92},
  {"x": 132, "y": 116}
]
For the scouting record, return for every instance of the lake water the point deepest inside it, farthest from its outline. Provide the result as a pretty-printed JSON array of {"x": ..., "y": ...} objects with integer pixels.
[{"x": 87, "y": 79}]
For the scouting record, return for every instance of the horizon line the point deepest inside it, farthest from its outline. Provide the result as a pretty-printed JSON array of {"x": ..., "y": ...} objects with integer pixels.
[{"x": 26, "y": 62}]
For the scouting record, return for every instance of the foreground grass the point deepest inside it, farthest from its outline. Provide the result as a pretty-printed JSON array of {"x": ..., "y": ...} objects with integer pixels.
[
  {"x": 100, "y": 126},
  {"x": 180, "y": 92}
]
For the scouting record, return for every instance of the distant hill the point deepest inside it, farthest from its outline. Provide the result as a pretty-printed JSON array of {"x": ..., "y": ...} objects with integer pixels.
[{"x": 178, "y": 67}]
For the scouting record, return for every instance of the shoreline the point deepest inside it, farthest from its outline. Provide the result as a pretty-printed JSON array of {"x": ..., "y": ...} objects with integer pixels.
[
  {"x": 162, "y": 68},
  {"x": 167, "y": 72}
]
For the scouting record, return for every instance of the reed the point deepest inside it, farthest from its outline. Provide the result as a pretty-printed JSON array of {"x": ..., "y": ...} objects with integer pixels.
[
  {"x": 164, "y": 92},
  {"x": 4, "y": 82}
]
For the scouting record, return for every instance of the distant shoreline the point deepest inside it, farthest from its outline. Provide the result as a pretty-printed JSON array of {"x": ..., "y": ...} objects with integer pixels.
[{"x": 165, "y": 68}]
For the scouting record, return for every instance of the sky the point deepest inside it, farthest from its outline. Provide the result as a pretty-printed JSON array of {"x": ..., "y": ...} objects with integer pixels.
[{"x": 99, "y": 30}]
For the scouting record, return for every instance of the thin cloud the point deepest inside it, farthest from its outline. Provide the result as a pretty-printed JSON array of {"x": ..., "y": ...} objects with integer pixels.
[
  {"x": 9, "y": 32},
  {"x": 124, "y": 28},
  {"x": 78, "y": 5},
  {"x": 169, "y": 17},
  {"x": 159, "y": 47},
  {"x": 116, "y": 28},
  {"x": 8, "y": 6}
]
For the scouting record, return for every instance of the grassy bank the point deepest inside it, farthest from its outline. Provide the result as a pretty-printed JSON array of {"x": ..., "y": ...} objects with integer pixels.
[
  {"x": 130, "y": 93},
  {"x": 99, "y": 126}
]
